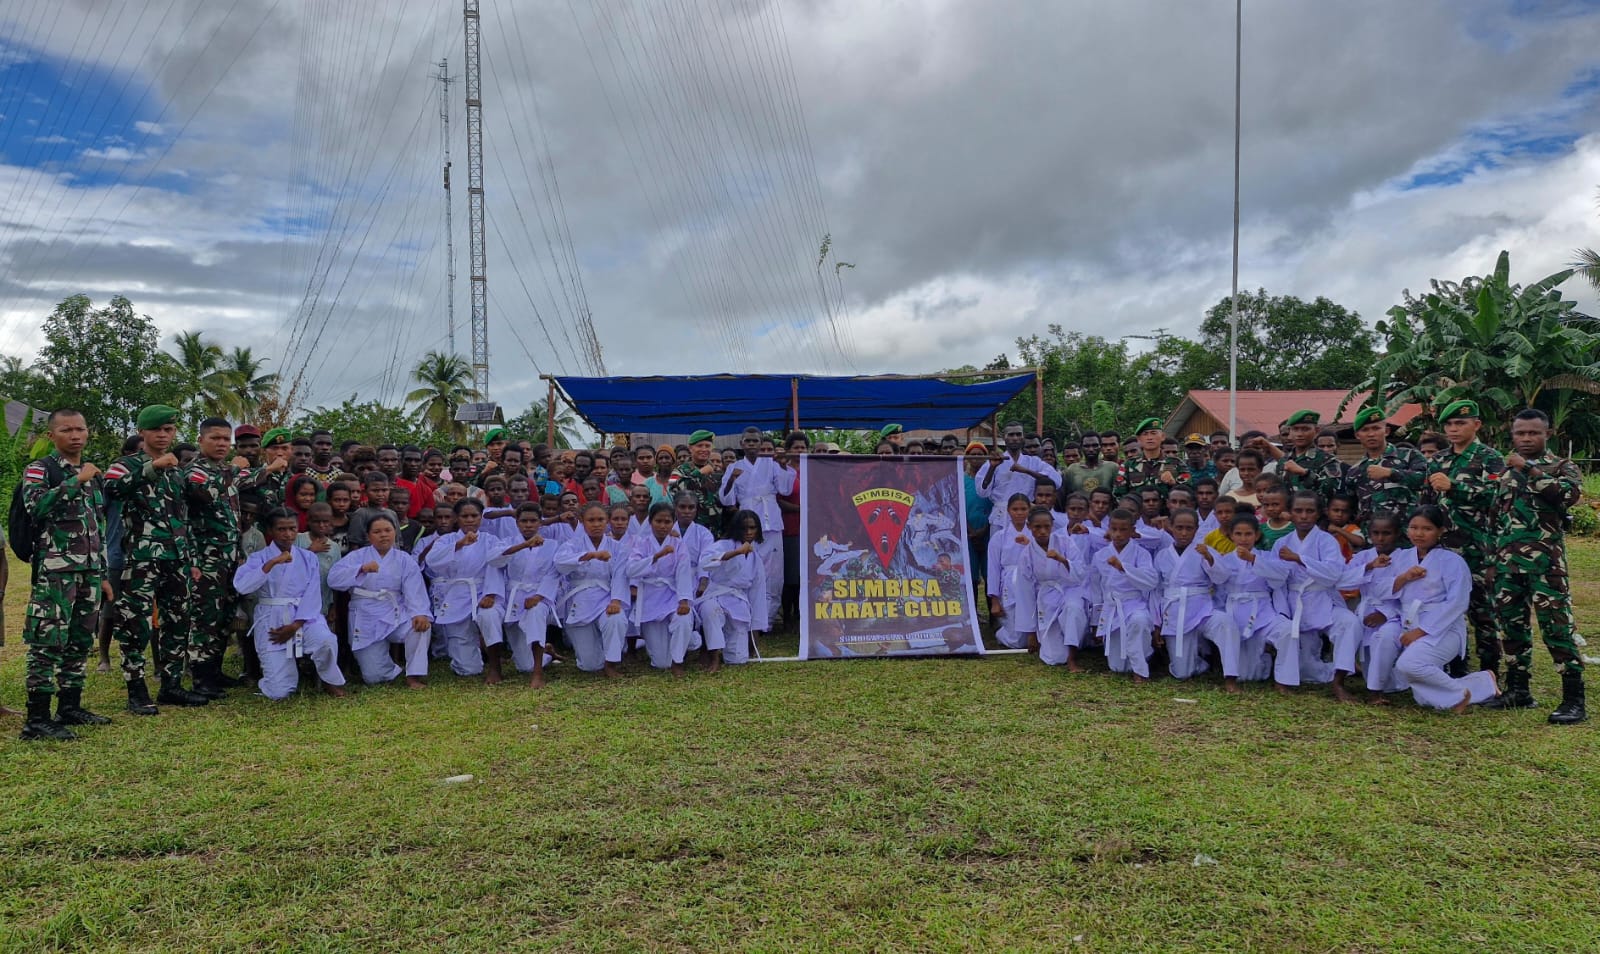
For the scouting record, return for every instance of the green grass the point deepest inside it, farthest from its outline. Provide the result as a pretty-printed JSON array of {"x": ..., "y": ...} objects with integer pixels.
[{"x": 927, "y": 805}]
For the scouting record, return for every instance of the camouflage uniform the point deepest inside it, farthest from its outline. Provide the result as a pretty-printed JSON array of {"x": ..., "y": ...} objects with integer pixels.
[
  {"x": 158, "y": 564},
  {"x": 213, "y": 491},
  {"x": 1473, "y": 505},
  {"x": 1532, "y": 568},
  {"x": 69, "y": 565},
  {"x": 1395, "y": 494},
  {"x": 1139, "y": 473},
  {"x": 1324, "y": 473},
  {"x": 269, "y": 488},
  {"x": 704, "y": 488}
]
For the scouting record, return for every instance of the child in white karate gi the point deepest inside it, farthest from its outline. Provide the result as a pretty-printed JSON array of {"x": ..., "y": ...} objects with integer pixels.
[
  {"x": 595, "y": 594},
  {"x": 1188, "y": 606},
  {"x": 1306, "y": 569},
  {"x": 1379, "y": 610},
  {"x": 532, "y": 587},
  {"x": 388, "y": 606},
  {"x": 1007, "y": 545},
  {"x": 468, "y": 593},
  {"x": 287, "y": 623},
  {"x": 1128, "y": 577},
  {"x": 1052, "y": 604},
  {"x": 734, "y": 601},
  {"x": 1435, "y": 588},
  {"x": 1247, "y": 598},
  {"x": 664, "y": 577}
]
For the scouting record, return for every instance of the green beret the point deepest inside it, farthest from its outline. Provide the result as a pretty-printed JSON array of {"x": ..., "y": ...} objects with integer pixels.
[
  {"x": 154, "y": 416},
  {"x": 1367, "y": 415},
  {"x": 1305, "y": 417},
  {"x": 890, "y": 429},
  {"x": 701, "y": 435},
  {"x": 278, "y": 435},
  {"x": 1149, "y": 424},
  {"x": 1462, "y": 408},
  {"x": 494, "y": 434}
]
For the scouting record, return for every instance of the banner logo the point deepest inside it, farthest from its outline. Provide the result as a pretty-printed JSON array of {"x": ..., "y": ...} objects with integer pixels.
[{"x": 883, "y": 512}]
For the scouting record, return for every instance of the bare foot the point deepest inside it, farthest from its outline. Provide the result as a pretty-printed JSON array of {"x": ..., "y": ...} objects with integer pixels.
[
  {"x": 492, "y": 677},
  {"x": 537, "y": 682},
  {"x": 1139, "y": 680},
  {"x": 415, "y": 682},
  {"x": 105, "y": 665},
  {"x": 1378, "y": 699},
  {"x": 1340, "y": 693},
  {"x": 1280, "y": 688},
  {"x": 335, "y": 691},
  {"x": 1230, "y": 685},
  {"x": 1466, "y": 700},
  {"x": 1074, "y": 667},
  {"x": 677, "y": 670},
  {"x": 716, "y": 662},
  {"x": 611, "y": 671}
]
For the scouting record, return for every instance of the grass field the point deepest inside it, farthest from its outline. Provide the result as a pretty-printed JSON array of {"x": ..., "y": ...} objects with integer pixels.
[{"x": 928, "y": 805}]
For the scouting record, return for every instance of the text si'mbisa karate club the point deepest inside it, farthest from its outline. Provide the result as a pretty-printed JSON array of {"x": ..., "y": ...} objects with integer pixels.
[{"x": 886, "y": 599}]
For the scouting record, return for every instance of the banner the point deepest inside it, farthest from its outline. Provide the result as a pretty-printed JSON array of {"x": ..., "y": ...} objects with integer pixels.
[{"x": 883, "y": 547}]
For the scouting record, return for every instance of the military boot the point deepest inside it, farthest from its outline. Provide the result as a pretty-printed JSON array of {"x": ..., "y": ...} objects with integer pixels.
[
  {"x": 1571, "y": 711},
  {"x": 1517, "y": 694},
  {"x": 173, "y": 694},
  {"x": 205, "y": 681},
  {"x": 40, "y": 727},
  {"x": 139, "y": 699},
  {"x": 70, "y": 710}
]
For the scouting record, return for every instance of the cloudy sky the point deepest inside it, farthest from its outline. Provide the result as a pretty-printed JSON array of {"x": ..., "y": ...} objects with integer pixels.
[{"x": 269, "y": 171}]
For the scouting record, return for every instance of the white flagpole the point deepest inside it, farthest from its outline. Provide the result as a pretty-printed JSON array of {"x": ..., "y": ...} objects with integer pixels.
[{"x": 1233, "y": 318}]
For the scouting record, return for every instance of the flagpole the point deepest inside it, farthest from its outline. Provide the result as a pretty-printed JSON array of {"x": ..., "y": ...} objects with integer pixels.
[{"x": 1233, "y": 318}]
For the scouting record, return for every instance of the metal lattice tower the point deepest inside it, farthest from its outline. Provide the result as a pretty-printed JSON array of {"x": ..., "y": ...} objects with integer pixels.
[
  {"x": 449, "y": 231},
  {"x": 475, "y": 225}
]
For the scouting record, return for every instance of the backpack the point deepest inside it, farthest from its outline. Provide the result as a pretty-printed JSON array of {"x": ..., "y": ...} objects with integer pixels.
[{"x": 21, "y": 529}]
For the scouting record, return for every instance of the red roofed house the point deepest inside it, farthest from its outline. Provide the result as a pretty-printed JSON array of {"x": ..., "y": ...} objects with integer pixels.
[{"x": 1202, "y": 412}]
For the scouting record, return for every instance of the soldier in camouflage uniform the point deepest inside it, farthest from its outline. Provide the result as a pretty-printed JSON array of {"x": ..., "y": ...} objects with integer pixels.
[
  {"x": 271, "y": 489},
  {"x": 65, "y": 504},
  {"x": 1464, "y": 479},
  {"x": 1307, "y": 466},
  {"x": 1537, "y": 491},
  {"x": 698, "y": 477},
  {"x": 213, "y": 486},
  {"x": 1150, "y": 469},
  {"x": 158, "y": 571},
  {"x": 1387, "y": 478}
]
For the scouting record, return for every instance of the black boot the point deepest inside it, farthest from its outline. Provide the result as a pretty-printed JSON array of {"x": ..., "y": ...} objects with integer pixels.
[
  {"x": 1571, "y": 711},
  {"x": 139, "y": 699},
  {"x": 173, "y": 694},
  {"x": 205, "y": 681},
  {"x": 40, "y": 727},
  {"x": 1517, "y": 694},
  {"x": 70, "y": 710}
]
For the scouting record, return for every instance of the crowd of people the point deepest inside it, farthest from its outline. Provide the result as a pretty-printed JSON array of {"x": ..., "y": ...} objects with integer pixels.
[{"x": 1273, "y": 560}]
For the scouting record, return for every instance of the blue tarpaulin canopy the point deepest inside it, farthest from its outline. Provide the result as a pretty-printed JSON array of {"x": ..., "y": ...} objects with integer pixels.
[{"x": 727, "y": 402}]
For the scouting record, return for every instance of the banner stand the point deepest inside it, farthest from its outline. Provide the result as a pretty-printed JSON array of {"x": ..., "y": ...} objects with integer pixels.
[{"x": 986, "y": 653}]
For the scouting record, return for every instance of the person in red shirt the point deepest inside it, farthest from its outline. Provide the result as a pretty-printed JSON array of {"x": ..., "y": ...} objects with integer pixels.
[{"x": 414, "y": 480}]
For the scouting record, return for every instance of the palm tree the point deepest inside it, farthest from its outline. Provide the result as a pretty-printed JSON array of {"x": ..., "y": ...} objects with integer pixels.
[
  {"x": 250, "y": 385},
  {"x": 208, "y": 385},
  {"x": 446, "y": 381},
  {"x": 1588, "y": 263}
]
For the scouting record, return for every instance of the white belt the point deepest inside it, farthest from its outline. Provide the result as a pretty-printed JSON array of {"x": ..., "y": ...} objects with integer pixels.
[
  {"x": 721, "y": 589},
  {"x": 1183, "y": 593},
  {"x": 637, "y": 611},
  {"x": 365, "y": 594},
  {"x": 471, "y": 583},
  {"x": 278, "y": 602},
  {"x": 585, "y": 586},
  {"x": 1299, "y": 590},
  {"x": 1247, "y": 596}
]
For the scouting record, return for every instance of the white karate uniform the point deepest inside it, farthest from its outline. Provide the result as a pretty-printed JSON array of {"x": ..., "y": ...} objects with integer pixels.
[
  {"x": 1381, "y": 647},
  {"x": 758, "y": 488},
  {"x": 528, "y": 573},
  {"x": 662, "y": 584},
  {"x": 461, "y": 579},
  {"x": 1008, "y": 482},
  {"x": 1005, "y": 553},
  {"x": 284, "y": 594},
  {"x": 1247, "y": 600},
  {"x": 1053, "y": 599},
  {"x": 382, "y": 606},
  {"x": 734, "y": 601},
  {"x": 1189, "y": 614},
  {"x": 1152, "y": 539},
  {"x": 590, "y": 586},
  {"x": 1437, "y": 605},
  {"x": 1307, "y": 595},
  {"x": 1126, "y": 623}
]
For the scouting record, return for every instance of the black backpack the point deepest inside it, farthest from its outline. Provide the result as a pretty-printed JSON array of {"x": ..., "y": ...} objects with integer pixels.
[{"x": 21, "y": 530}]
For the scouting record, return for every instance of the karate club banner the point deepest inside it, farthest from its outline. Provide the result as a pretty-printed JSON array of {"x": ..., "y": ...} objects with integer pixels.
[{"x": 883, "y": 545}]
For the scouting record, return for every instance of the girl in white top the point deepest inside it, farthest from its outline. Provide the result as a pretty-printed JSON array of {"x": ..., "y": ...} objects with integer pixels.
[
  {"x": 1435, "y": 587},
  {"x": 596, "y": 594},
  {"x": 734, "y": 601},
  {"x": 467, "y": 594},
  {"x": 1188, "y": 606},
  {"x": 664, "y": 577},
  {"x": 1008, "y": 543},
  {"x": 388, "y": 605},
  {"x": 1052, "y": 604},
  {"x": 1379, "y": 609},
  {"x": 287, "y": 620},
  {"x": 532, "y": 586}
]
